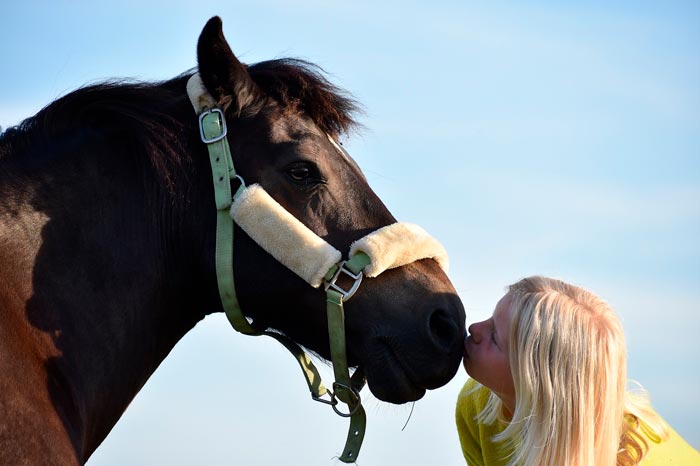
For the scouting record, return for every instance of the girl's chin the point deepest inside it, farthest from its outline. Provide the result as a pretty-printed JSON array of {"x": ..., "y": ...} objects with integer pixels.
[{"x": 465, "y": 364}]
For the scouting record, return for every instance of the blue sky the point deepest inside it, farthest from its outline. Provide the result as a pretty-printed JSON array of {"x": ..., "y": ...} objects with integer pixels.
[{"x": 531, "y": 137}]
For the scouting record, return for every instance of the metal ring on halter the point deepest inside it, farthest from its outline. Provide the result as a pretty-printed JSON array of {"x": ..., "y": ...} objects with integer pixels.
[
  {"x": 347, "y": 294},
  {"x": 240, "y": 189},
  {"x": 240, "y": 179},
  {"x": 353, "y": 392}
]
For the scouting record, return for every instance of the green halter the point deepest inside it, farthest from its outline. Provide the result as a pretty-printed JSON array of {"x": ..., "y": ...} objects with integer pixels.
[{"x": 212, "y": 126}]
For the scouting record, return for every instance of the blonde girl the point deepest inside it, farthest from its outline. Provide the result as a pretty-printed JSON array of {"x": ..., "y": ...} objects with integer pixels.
[{"x": 549, "y": 387}]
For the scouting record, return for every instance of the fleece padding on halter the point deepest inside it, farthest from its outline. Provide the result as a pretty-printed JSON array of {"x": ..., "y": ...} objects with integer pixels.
[
  {"x": 284, "y": 237},
  {"x": 308, "y": 255},
  {"x": 198, "y": 94},
  {"x": 396, "y": 245}
]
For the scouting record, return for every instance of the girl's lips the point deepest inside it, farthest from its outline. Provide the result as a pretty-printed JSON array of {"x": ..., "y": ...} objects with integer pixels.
[{"x": 465, "y": 356}]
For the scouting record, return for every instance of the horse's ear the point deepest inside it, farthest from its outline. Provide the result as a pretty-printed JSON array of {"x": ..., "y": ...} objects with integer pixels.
[{"x": 226, "y": 78}]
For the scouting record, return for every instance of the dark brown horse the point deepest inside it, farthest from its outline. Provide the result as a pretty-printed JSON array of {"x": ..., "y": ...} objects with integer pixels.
[{"x": 107, "y": 236}]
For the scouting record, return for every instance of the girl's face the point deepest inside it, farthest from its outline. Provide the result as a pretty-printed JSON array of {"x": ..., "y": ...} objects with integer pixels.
[{"x": 486, "y": 352}]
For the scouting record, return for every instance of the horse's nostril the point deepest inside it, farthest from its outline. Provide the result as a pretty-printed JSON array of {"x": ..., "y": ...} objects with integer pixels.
[{"x": 443, "y": 331}]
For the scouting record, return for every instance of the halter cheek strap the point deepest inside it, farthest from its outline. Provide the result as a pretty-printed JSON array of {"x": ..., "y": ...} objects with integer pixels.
[{"x": 297, "y": 247}]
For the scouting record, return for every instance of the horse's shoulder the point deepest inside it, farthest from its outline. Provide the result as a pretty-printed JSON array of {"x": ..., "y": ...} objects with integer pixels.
[{"x": 31, "y": 431}]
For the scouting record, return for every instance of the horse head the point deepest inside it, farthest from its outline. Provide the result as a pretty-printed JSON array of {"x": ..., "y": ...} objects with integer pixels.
[{"x": 405, "y": 327}]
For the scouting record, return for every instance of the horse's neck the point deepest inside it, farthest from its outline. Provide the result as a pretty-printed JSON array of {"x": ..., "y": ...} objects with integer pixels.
[{"x": 99, "y": 297}]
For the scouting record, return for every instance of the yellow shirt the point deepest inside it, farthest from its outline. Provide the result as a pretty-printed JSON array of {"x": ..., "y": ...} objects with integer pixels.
[{"x": 479, "y": 450}]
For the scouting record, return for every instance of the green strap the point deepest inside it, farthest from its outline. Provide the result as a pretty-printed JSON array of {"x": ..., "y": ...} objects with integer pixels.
[
  {"x": 358, "y": 262},
  {"x": 313, "y": 378},
  {"x": 343, "y": 388},
  {"x": 222, "y": 172},
  {"x": 346, "y": 389}
]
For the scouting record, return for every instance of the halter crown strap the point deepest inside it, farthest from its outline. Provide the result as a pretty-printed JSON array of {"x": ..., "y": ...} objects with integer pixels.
[{"x": 213, "y": 133}]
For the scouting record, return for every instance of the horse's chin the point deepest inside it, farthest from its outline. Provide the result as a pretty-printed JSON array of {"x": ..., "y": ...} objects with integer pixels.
[
  {"x": 400, "y": 376},
  {"x": 390, "y": 381},
  {"x": 393, "y": 386}
]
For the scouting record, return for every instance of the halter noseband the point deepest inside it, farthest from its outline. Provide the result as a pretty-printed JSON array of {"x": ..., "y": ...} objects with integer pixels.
[{"x": 298, "y": 248}]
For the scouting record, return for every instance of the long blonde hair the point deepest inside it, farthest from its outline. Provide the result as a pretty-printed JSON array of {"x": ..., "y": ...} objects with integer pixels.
[{"x": 569, "y": 365}]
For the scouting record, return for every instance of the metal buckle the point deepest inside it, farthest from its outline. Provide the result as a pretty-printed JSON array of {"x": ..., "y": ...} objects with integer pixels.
[
  {"x": 333, "y": 401},
  {"x": 356, "y": 395},
  {"x": 347, "y": 294},
  {"x": 222, "y": 124}
]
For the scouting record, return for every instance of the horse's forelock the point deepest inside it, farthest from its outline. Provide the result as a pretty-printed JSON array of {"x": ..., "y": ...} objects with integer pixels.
[{"x": 301, "y": 85}]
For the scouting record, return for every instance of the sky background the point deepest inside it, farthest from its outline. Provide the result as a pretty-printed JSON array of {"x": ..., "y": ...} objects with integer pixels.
[{"x": 553, "y": 138}]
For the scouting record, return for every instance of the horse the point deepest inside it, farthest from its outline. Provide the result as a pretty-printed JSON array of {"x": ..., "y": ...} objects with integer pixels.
[{"x": 108, "y": 239}]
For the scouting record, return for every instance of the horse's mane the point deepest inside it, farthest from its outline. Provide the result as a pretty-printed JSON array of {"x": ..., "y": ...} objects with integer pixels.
[{"x": 145, "y": 112}]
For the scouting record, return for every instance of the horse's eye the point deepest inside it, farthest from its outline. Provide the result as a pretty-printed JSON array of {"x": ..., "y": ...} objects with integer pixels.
[
  {"x": 304, "y": 174},
  {"x": 299, "y": 173}
]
